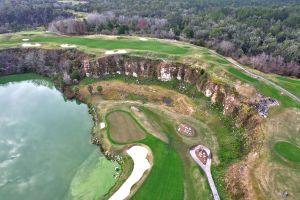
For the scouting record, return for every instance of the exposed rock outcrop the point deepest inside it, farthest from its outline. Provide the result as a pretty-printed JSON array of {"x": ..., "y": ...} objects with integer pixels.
[{"x": 53, "y": 62}]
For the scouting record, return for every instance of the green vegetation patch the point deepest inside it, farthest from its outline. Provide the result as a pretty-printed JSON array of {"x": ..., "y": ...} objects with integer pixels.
[
  {"x": 292, "y": 85},
  {"x": 167, "y": 173},
  {"x": 122, "y": 128},
  {"x": 94, "y": 178},
  {"x": 102, "y": 43},
  {"x": 23, "y": 77},
  {"x": 288, "y": 150}
]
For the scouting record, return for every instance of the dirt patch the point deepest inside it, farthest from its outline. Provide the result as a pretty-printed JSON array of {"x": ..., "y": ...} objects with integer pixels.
[
  {"x": 117, "y": 90},
  {"x": 123, "y": 128}
]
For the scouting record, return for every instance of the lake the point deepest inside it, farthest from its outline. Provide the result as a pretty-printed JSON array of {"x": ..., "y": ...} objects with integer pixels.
[{"x": 45, "y": 149}]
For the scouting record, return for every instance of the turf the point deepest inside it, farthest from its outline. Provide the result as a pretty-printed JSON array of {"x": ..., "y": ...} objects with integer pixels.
[
  {"x": 102, "y": 43},
  {"x": 288, "y": 150},
  {"x": 292, "y": 85},
  {"x": 167, "y": 173},
  {"x": 122, "y": 127},
  {"x": 165, "y": 126}
]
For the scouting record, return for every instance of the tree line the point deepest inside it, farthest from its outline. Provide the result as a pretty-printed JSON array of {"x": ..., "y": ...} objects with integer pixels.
[{"x": 262, "y": 34}]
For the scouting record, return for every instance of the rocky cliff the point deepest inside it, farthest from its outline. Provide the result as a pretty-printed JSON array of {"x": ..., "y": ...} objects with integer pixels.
[{"x": 62, "y": 62}]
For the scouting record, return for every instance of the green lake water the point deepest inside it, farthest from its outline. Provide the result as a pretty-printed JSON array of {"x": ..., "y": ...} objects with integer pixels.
[{"x": 45, "y": 149}]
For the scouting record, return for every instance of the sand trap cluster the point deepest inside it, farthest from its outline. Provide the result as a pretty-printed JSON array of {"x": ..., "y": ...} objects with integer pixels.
[
  {"x": 141, "y": 164},
  {"x": 143, "y": 39},
  {"x": 110, "y": 52},
  {"x": 68, "y": 46},
  {"x": 31, "y": 44},
  {"x": 25, "y": 39}
]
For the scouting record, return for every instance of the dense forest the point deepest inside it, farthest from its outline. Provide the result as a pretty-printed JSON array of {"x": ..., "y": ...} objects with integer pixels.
[
  {"x": 16, "y": 15},
  {"x": 262, "y": 34}
]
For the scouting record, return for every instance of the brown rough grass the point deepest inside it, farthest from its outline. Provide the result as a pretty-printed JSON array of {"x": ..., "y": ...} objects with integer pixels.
[{"x": 123, "y": 128}]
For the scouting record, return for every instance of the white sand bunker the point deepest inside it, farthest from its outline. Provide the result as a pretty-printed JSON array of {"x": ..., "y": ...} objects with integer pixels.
[
  {"x": 31, "y": 45},
  {"x": 25, "y": 39},
  {"x": 68, "y": 46},
  {"x": 110, "y": 52},
  {"x": 141, "y": 164},
  {"x": 143, "y": 39}
]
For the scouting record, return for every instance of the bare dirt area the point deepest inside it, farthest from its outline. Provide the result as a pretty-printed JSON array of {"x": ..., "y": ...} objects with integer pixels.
[
  {"x": 122, "y": 128},
  {"x": 117, "y": 90}
]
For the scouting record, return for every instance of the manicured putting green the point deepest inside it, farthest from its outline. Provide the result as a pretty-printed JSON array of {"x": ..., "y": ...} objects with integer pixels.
[
  {"x": 123, "y": 128},
  {"x": 288, "y": 150}
]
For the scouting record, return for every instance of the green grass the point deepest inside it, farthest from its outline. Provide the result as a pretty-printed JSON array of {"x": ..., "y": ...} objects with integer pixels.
[
  {"x": 292, "y": 85},
  {"x": 290, "y": 80},
  {"x": 165, "y": 126},
  {"x": 264, "y": 88},
  {"x": 102, "y": 43},
  {"x": 135, "y": 97},
  {"x": 22, "y": 77},
  {"x": 94, "y": 178},
  {"x": 288, "y": 150},
  {"x": 237, "y": 73},
  {"x": 161, "y": 178}
]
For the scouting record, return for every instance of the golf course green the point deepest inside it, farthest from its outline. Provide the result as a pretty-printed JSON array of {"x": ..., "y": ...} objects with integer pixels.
[{"x": 288, "y": 150}]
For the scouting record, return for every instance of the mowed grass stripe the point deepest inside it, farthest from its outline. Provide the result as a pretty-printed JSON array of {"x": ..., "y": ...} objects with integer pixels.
[
  {"x": 288, "y": 150},
  {"x": 167, "y": 173},
  {"x": 167, "y": 176},
  {"x": 123, "y": 129},
  {"x": 101, "y": 43}
]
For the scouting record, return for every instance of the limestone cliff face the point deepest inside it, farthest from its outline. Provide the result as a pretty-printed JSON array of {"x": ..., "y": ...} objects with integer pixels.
[
  {"x": 41, "y": 61},
  {"x": 52, "y": 62}
]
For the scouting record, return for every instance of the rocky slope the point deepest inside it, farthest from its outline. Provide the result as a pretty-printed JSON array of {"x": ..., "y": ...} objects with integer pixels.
[{"x": 64, "y": 62}]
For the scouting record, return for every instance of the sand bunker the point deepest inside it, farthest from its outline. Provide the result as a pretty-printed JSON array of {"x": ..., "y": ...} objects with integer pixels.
[
  {"x": 31, "y": 45},
  {"x": 25, "y": 39},
  {"x": 68, "y": 46},
  {"x": 143, "y": 39},
  {"x": 102, "y": 125},
  {"x": 141, "y": 164},
  {"x": 111, "y": 52}
]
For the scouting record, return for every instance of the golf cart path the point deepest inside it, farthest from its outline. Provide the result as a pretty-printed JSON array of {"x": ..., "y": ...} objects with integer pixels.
[
  {"x": 253, "y": 75},
  {"x": 206, "y": 169}
]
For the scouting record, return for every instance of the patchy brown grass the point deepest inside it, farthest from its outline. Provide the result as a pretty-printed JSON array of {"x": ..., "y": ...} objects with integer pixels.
[
  {"x": 118, "y": 90},
  {"x": 263, "y": 174},
  {"x": 123, "y": 128}
]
